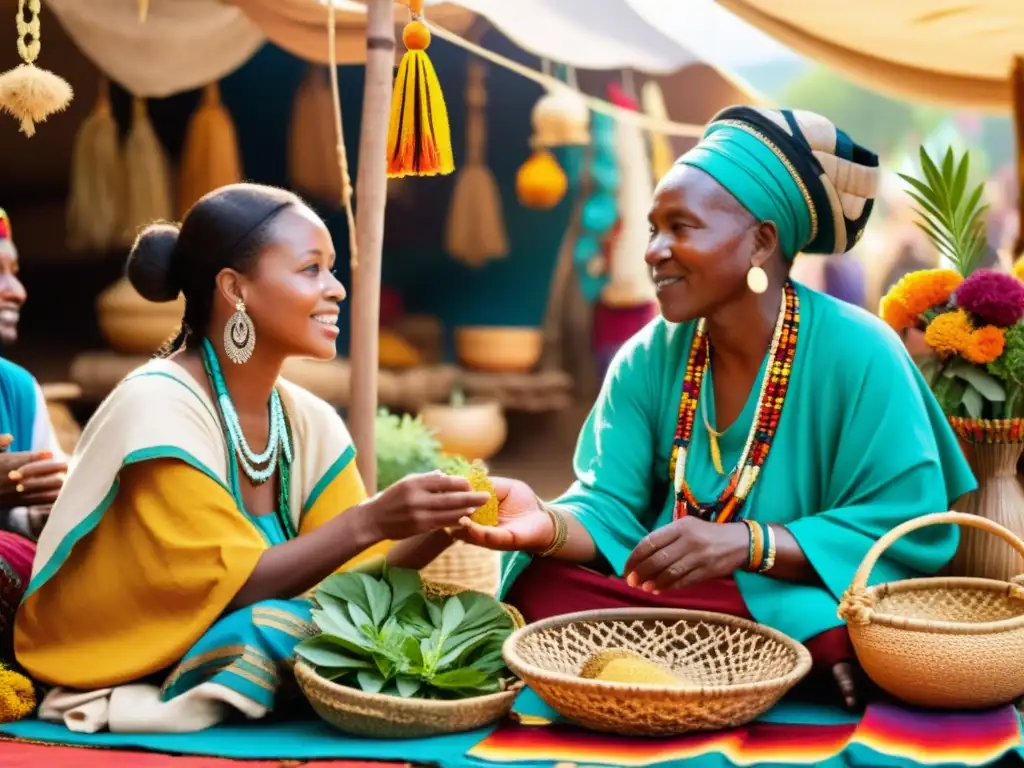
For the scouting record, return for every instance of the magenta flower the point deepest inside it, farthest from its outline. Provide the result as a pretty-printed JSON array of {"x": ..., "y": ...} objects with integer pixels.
[{"x": 995, "y": 298}]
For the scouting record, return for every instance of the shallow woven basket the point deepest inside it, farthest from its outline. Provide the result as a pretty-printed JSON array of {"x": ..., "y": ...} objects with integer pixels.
[
  {"x": 739, "y": 668},
  {"x": 939, "y": 642},
  {"x": 383, "y": 716},
  {"x": 470, "y": 567}
]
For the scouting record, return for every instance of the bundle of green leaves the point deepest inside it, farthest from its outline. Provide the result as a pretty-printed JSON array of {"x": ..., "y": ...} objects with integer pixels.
[{"x": 384, "y": 635}]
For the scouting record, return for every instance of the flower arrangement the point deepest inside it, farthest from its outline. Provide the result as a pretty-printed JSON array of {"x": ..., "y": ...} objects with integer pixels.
[{"x": 970, "y": 317}]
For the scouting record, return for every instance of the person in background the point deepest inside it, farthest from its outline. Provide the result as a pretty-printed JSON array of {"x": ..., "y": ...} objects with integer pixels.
[{"x": 32, "y": 464}]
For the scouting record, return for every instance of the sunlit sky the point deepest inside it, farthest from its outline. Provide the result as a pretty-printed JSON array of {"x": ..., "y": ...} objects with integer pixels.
[{"x": 711, "y": 32}]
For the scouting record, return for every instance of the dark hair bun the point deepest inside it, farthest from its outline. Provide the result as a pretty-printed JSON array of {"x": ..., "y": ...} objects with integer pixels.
[{"x": 152, "y": 268}]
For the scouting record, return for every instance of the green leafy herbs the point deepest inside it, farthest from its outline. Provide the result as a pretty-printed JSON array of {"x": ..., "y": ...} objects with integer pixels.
[
  {"x": 951, "y": 216},
  {"x": 405, "y": 446},
  {"x": 383, "y": 635}
]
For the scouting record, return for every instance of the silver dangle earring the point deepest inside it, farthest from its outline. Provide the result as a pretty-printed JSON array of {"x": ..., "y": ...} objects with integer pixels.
[{"x": 239, "y": 335}]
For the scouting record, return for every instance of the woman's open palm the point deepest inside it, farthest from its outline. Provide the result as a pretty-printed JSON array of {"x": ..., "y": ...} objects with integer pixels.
[{"x": 522, "y": 524}]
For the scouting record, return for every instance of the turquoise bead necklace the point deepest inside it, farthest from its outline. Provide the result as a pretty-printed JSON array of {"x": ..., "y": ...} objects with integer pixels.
[{"x": 258, "y": 467}]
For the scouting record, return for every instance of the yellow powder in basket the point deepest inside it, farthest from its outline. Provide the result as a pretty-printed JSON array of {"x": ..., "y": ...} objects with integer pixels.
[{"x": 618, "y": 665}]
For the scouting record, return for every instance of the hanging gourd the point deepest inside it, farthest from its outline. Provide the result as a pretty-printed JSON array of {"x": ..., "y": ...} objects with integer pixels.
[
  {"x": 540, "y": 181},
  {"x": 662, "y": 156},
  {"x": 149, "y": 180},
  {"x": 419, "y": 137},
  {"x": 475, "y": 231},
  {"x": 95, "y": 208},
  {"x": 28, "y": 93},
  {"x": 210, "y": 157}
]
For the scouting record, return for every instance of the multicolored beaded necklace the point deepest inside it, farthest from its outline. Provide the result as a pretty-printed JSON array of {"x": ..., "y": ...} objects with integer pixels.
[{"x": 766, "y": 421}]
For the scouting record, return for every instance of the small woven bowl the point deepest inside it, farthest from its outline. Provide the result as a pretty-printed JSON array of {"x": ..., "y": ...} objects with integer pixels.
[
  {"x": 739, "y": 669},
  {"x": 383, "y": 716}
]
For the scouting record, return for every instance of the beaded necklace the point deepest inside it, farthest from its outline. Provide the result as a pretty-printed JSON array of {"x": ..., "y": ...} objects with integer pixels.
[
  {"x": 770, "y": 400},
  {"x": 257, "y": 467}
]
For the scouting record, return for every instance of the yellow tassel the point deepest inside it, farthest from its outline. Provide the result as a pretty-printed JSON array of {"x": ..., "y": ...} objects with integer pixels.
[
  {"x": 419, "y": 137},
  {"x": 28, "y": 93},
  {"x": 149, "y": 196},
  {"x": 210, "y": 157},
  {"x": 17, "y": 696}
]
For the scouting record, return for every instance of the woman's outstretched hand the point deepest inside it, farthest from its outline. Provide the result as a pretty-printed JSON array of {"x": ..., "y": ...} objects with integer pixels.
[
  {"x": 419, "y": 504},
  {"x": 522, "y": 524},
  {"x": 687, "y": 551}
]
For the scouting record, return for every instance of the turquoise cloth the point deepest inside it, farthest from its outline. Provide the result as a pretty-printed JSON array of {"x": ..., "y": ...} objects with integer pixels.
[
  {"x": 18, "y": 400},
  {"x": 756, "y": 176},
  {"x": 861, "y": 447}
]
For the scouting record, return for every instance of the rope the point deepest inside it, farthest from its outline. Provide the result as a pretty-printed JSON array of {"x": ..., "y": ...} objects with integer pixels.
[
  {"x": 639, "y": 119},
  {"x": 339, "y": 135}
]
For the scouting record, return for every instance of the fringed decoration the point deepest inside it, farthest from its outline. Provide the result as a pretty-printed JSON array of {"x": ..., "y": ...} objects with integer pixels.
[
  {"x": 95, "y": 208},
  {"x": 210, "y": 157},
  {"x": 419, "y": 137},
  {"x": 540, "y": 181},
  {"x": 475, "y": 231},
  {"x": 653, "y": 102},
  {"x": 28, "y": 93},
  {"x": 312, "y": 166},
  {"x": 149, "y": 180}
]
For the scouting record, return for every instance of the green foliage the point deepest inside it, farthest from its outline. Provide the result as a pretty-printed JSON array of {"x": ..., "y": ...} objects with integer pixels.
[
  {"x": 383, "y": 635},
  {"x": 405, "y": 446},
  {"x": 1009, "y": 367},
  {"x": 952, "y": 217}
]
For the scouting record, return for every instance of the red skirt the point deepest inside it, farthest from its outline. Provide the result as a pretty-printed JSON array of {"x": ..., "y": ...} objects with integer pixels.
[
  {"x": 16, "y": 553},
  {"x": 553, "y": 588}
]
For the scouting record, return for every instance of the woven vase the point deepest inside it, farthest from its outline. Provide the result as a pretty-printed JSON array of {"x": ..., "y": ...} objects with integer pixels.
[{"x": 993, "y": 448}]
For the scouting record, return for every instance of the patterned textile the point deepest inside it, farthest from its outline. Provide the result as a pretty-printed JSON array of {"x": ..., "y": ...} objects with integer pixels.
[{"x": 16, "y": 553}]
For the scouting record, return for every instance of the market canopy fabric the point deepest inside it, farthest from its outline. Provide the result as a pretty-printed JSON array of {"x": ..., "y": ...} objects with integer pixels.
[
  {"x": 184, "y": 44},
  {"x": 952, "y": 52}
]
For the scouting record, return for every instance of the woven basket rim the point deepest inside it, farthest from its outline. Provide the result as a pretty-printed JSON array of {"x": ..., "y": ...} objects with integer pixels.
[
  {"x": 307, "y": 675},
  {"x": 961, "y": 425},
  {"x": 935, "y": 626},
  {"x": 525, "y": 669}
]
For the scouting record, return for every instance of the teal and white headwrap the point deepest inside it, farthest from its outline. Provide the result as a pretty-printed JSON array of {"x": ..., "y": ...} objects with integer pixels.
[{"x": 795, "y": 169}]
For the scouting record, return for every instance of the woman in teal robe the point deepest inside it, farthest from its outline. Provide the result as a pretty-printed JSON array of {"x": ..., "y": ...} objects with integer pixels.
[{"x": 849, "y": 441}]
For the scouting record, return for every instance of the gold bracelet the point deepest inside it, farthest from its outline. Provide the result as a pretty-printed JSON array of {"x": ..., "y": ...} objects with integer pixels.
[
  {"x": 769, "y": 560},
  {"x": 755, "y": 553},
  {"x": 561, "y": 530}
]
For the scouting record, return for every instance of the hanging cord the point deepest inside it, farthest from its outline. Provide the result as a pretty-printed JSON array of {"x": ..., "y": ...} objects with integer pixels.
[
  {"x": 667, "y": 127},
  {"x": 339, "y": 134}
]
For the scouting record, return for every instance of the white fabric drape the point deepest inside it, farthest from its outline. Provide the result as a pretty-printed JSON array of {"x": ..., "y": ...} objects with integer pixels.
[
  {"x": 185, "y": 44},
  {"x": 182, "y": 45}
]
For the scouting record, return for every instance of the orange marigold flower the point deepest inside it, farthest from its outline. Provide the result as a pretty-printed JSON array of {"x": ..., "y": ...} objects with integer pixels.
[
  {"x": 948, "y": 334},
  {"x": 895, "y": 313},
  {"x": 985, "y": 345},
  {"x": 926, "y": 288}
]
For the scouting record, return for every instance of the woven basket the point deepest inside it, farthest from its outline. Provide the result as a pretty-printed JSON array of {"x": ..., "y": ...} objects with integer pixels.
[
  {"x": 470, "y": 567},
  {"x": 383, "y": 716},
  {"x": 739, "y": 669},
  {"x": 939, "y": 642}
]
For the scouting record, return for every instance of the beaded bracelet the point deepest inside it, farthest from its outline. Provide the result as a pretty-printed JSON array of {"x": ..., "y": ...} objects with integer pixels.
[{"x": 561, "y": 530}]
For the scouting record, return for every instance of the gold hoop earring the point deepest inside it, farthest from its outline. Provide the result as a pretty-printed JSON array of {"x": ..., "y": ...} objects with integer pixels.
[
  {"x": 757, "y": 280},
  {"x": 239, "y": 335}
]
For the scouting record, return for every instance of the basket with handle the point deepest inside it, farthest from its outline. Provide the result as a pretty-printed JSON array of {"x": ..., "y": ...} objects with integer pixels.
[{"x": 943, "y": 642}]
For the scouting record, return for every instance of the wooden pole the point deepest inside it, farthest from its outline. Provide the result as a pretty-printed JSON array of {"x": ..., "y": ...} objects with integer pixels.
[
  {"x": 371, "y": 194},
  {"x": 1017, "y": 84}
]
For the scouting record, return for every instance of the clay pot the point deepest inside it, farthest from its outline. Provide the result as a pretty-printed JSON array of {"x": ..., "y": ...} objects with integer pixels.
[
  {"x": 67, "y": 430},
  {"x": 133, "y": 325},
  {"x": 499, "y": 349},
  {"x": 475, "y": 430}
]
